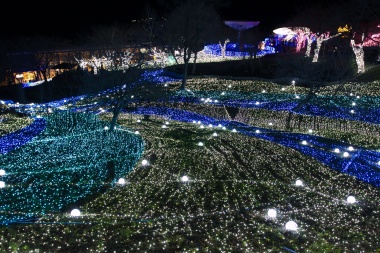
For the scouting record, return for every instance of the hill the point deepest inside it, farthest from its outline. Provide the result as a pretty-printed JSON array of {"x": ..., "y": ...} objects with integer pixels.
[{"x": 263, "y": 67}]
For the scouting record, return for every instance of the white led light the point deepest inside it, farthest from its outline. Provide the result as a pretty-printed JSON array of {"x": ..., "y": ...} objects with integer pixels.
[
  {"x": 291, "y": 225},
  {"x": 272, "y": 213},
  {"x": 351, "y": 200},
  {"x": 121, "y": 181},
  {"x": 75, "y": 213},
  {"x": 184, "y": 178}
]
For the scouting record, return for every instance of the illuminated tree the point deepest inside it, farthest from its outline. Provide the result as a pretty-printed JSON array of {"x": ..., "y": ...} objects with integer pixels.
[{"x": 361, "y": 18}]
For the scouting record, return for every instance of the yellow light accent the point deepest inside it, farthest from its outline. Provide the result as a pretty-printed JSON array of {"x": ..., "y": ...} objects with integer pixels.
[{"x": 344, "y": 29}]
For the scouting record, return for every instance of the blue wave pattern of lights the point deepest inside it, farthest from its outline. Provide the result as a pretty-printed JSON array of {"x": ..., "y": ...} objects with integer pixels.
[
  {"x": 233, "y": 50},
  {"x": 366, "y": 112},
  {"x": 18, "y": 138},
  {"x": 74, "y": 158},
  {"x": 360, "y": 163}
]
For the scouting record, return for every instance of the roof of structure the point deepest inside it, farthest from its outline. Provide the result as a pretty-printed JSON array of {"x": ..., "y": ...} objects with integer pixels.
[{"x": 241, "y": 25}]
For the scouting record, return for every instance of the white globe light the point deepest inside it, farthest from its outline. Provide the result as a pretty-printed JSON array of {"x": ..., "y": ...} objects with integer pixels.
[
  {"x": 2, "y": 172},
  {"x": 234, "y": 130},
  {"x": 310, "y": 130},
  {"x": 121, "y": 181},
  {"x": 351, "y": 200},
  {"x": 350, "y": 148},
  {"x": 304, "y": 142},
  {"x": 75, "y": 212},
  {"x": 336, "y": 150},
  {"x": 346, "y": 154},
  {"x": 2, "y": 184},
  {"x": 200, "y": 144},
  {"x": 214, "y": 134},
  {"x": 291, "y": 225},
  {"x": 257, "y": 131},
  {"x": 272, "y": 213},
  {"x": 144, "y": 162},
  {"x": 184, "y": 179},
  {"x": 299, "y": 183},
  {"x": 137, "y": 132}
]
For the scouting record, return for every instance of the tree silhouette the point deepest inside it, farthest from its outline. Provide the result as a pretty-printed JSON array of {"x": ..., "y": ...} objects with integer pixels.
[{"x": 187, "y": 29}]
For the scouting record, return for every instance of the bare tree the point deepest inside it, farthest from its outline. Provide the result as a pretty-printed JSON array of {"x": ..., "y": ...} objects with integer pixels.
[
  {"x": 150, "y": 24},
  {"x": 123, "y": 89},
  {"x": 121, "y": 82},
  {"x": 302, "y": 71},
  {"x": 41, "y": 52},
  {"x": 187, "y": 29}
]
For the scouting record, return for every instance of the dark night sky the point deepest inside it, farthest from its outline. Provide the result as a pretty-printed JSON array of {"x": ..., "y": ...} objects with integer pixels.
[{"x": 68, "y": 18}]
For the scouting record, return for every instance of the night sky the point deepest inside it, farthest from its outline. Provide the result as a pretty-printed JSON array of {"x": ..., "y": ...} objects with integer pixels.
[{"x": 69, "y": 18}]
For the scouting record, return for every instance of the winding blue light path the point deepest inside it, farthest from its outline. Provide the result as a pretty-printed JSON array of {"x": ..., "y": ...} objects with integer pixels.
[
  {"x": 20, "y": 137},
  {"x": 361, "y": 163}
]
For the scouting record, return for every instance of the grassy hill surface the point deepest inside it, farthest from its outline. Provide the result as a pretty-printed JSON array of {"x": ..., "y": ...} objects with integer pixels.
[{"x": 233, "y": 179}]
